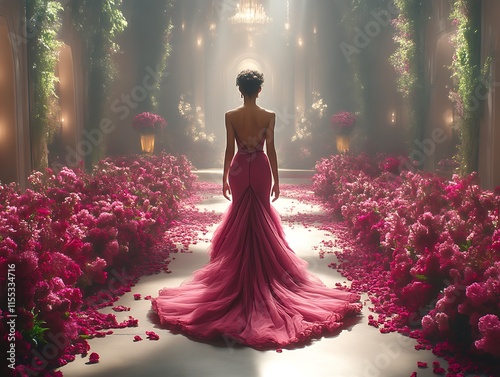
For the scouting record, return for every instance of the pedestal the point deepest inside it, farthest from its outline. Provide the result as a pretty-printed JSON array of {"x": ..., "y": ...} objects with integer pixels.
[
  {"x": 343, "y": 143},
  {"x": 148, "y": 143}
]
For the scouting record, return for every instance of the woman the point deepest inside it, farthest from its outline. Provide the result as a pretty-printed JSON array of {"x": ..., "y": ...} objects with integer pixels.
[{"x": 254, "y": 290}]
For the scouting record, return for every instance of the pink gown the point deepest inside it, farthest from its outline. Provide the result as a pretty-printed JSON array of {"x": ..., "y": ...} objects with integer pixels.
[{"x": 255, "y": 290}]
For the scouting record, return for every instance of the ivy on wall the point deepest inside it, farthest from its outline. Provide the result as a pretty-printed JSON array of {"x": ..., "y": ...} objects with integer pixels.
[
  {"x": 470, "y": 80},
  {"x": 466, "y": 70},
  {"x": 408, "y": 61},
  {"x": 43, "y": 23},
  {"x": 98, "y": 22}
]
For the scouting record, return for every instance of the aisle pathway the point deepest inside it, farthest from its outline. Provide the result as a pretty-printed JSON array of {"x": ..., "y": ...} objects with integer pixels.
[{"x": 358, "y": 351}]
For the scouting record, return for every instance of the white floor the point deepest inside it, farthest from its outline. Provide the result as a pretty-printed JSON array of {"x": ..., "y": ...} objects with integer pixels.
[{"x": 358, "y": 351}]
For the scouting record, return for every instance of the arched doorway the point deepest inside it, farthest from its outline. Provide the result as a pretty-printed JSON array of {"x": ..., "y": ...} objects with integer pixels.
[
  {"x": 61, "y": 150},
  {"x": 8, "y": 119},
  {"x": 442, "y": 115}
]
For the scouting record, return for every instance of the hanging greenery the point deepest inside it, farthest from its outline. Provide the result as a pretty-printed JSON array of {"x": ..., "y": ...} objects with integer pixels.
[
  {"x": 98, "y": 23},
  {"x": 408, "y": 61},
  {"x": 470, "y": 80},
  {"x": 43, "y": 24}
]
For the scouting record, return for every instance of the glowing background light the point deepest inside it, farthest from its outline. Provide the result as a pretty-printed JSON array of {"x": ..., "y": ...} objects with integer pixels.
[
  {"x": 250, "y": 13},
  {"x": 2, "y": 131},
  {"x": 249, "y": 64}
]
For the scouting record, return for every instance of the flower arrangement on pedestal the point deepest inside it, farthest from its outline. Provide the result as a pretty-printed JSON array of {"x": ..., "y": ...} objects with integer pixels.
[
  {"x": 343, "y": 123},
  {"x": 148, "y": 124}
]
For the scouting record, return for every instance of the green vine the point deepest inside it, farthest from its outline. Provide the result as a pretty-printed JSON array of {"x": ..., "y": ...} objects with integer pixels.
[
  {"x": 43, "y": 23},
  {"x": 470, "y": 80},
  {"x": 98, "y": 23},
  {"x": 404, "y": 59},
  {"x": 408, "y": 63}
]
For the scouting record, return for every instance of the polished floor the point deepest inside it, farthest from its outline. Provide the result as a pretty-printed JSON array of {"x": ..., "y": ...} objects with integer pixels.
[{"x": 359, "y": 350}]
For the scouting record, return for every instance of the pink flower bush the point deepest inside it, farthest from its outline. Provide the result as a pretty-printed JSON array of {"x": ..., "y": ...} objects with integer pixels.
[
  {"x": 489, "y": 328},
  {"x": 148, "y": 123},
  {"x": 426, "y": 250},
  {"x": 78, "y": 241},
  {"x": 343, "y": 121}
]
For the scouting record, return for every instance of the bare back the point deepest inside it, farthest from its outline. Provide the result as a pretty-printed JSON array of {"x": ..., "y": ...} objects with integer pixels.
[{"x": 249, "y": 124}]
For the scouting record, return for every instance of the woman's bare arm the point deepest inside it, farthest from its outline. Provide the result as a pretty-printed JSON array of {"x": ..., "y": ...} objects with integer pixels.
[
  {"x": 273, "y": 159},
  {"x": 228, "y": 157}
]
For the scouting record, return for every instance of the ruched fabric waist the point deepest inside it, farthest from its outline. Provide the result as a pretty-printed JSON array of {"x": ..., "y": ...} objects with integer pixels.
[{"x": 244, "y": 151}]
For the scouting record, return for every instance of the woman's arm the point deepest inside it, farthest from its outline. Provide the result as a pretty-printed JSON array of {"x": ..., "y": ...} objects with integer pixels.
[
  {"x": 273, "y": 159},
  {"x": 228, "y": 157}
]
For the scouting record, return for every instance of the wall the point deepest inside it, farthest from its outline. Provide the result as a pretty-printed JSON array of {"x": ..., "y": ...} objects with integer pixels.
[
  {"x": 440, "y": 136},
  {"x": 8, "y": 145},
  {"x": 15, "y": 156},
  {"x": 489, "y": 148}
]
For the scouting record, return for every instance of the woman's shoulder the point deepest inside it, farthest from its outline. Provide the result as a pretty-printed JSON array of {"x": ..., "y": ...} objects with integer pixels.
[
  {"x": 233, "y": 112},
  {"x": 269, "y": 113},
  {"x": 240, "y": 110},
  {"x": 266, "y": 113}
]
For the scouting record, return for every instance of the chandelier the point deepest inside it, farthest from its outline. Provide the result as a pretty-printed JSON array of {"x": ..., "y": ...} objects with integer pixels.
[{"x": 250, "y": 13}]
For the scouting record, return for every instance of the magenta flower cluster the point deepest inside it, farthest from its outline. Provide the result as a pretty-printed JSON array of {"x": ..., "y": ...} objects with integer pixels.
[
  {"x": 426, "y": 250},
  {"x": 343, "y": 121},
  {"x": 78, "y": 241},
  {"x": 148, "y": 123}
]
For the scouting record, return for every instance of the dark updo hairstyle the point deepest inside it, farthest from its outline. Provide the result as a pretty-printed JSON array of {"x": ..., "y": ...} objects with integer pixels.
[{"x": 249, "y": 81}]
